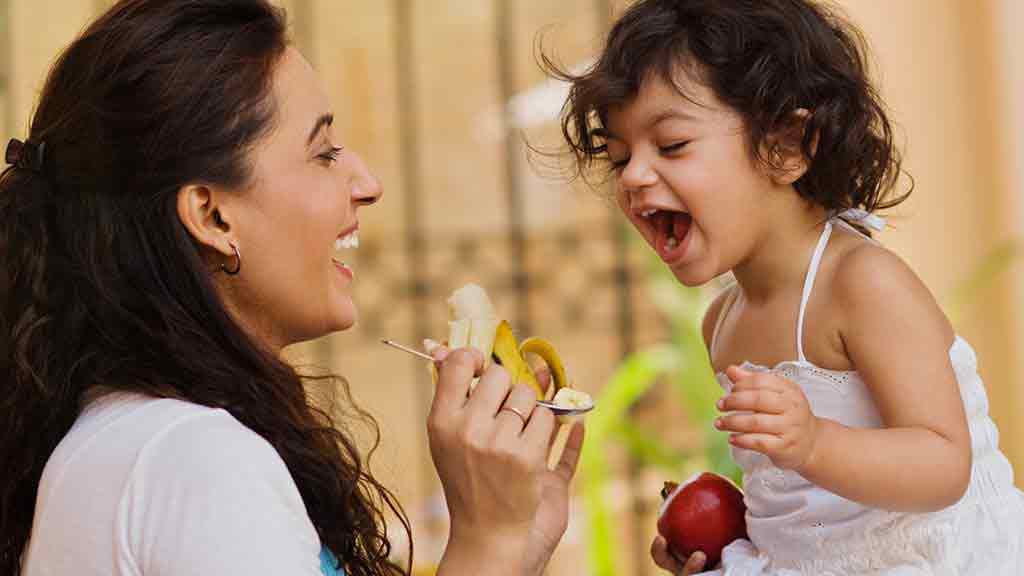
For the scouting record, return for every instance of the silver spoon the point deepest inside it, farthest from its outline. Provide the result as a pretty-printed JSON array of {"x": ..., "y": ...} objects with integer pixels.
[{"x": 555, "y": 408}]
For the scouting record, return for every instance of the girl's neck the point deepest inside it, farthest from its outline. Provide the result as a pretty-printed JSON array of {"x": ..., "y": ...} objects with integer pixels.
[{"x": 779, "y": 262}]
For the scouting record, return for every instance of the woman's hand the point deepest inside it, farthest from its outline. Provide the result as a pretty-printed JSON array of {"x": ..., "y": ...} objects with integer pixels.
[
  {"x": 553, "y": 515},
  {"x": 775, "y": 418},
  {"x": 508, "y": 511},
  {"x": 668, "y": 562}
]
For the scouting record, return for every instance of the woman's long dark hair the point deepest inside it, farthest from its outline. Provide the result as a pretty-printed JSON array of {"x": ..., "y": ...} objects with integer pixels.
[{"x": 101, "y": 286}]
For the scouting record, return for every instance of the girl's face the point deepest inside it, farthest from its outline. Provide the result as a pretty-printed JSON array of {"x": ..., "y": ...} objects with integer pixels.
[
  {"x": 686, "y": 178},
  {"x": 293, "y": 225}
]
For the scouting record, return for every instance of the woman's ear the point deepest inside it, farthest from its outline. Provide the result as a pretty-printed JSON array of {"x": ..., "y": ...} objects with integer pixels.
[
  {"x": 205, "y": 219},
  {"x": 786, "y": 158}
]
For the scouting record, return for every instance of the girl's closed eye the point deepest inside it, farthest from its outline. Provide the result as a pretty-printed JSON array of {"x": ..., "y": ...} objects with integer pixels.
[
  {"x": 673, "y": 148},
  {"x": 331, "y": 156},
  {"x": 617, "y": 164}
]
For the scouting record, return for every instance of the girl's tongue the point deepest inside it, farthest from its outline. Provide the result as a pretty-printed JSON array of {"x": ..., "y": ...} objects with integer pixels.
[{"x": 672, "y": 229}]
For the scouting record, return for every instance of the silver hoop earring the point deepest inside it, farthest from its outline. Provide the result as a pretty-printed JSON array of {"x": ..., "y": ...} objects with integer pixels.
[{"x": 238, "y": 266}]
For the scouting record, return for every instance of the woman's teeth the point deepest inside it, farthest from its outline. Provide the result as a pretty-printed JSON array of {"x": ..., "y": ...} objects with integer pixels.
[{"x": 350, "y": 240}]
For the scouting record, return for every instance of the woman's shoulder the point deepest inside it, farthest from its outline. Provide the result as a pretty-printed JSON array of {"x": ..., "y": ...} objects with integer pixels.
[
  {"x": 209, "y": 444},
  {"x": 171, "y": 439},
  {"x": 206, "y": 474}
]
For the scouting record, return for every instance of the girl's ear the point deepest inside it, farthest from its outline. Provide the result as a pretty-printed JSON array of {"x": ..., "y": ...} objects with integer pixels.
[{"x": 785, "y": 156}]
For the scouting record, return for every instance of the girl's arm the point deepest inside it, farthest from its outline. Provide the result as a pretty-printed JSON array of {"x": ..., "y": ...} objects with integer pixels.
[{"x": 898, "y": 340}]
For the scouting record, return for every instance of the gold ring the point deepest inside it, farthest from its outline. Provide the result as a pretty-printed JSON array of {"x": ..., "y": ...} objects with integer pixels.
[{"x": 516, "y": 412}]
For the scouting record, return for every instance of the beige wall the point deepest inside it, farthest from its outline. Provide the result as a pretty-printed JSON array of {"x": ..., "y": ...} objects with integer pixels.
[
  {"x": 1008, "y": 116},
  {"x": 942, "y": 64}
]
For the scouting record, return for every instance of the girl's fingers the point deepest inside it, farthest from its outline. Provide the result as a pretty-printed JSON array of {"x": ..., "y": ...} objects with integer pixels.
[
  {"x": 766, "y": 444},
  {"x": 666, "y": 561},
  {"x": 764, "y": 401},
  {"x": 737, "y": 374},
  {"x": 694, "y": 564},
  {"x": 661, "y": 556},
  {"x": 761, "y": 381},
  {"x": 752, "y": 423}
]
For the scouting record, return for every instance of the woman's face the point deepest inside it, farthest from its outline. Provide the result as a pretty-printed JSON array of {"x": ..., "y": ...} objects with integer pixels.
[{"x": 295, "y": 222}]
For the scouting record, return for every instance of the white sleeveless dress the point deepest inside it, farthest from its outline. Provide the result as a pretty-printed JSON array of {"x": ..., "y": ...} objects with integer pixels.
[{"x": 796, "y": 528}]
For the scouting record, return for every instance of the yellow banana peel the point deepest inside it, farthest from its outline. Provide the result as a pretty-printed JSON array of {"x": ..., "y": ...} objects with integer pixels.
[
  {"x": 546, "y": 352},
  {"x": 507, "y": 353},
  {"x": 474, "y": 322}
]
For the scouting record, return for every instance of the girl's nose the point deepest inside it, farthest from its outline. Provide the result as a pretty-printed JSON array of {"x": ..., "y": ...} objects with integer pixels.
[{"x": 636, "y": 175}]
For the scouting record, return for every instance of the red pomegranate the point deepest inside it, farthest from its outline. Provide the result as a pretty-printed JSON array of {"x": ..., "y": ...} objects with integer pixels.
[{"x": 705, "y": 513}]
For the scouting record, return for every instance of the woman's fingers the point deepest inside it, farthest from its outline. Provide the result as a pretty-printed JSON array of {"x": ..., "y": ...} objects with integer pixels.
[
  {"x": 490, "y": 392},
  {"x": 516, "y": 412},
  {"x": 454, "y": 374},
  {"x": 539, "y": 431},
  {"x": 566, "y": 467}
]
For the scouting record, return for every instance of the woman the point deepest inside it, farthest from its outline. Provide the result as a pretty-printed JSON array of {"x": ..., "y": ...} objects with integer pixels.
[{"x": 167, "y": 227}]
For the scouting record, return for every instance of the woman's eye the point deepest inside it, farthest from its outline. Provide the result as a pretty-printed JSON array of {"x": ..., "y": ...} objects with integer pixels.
[
  {"x": 331, "y": 155},
  {"x": 618, "y": 165}
]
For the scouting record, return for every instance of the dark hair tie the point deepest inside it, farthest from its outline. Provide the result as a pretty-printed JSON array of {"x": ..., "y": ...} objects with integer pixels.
[{"x": 27, "y": 155}]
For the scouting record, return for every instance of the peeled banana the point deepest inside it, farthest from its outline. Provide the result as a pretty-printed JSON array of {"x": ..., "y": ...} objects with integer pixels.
[{"x": 474, "y": 322}]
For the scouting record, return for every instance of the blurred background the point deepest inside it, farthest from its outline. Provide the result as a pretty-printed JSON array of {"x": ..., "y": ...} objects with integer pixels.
[{"x": 441, "y": 98}]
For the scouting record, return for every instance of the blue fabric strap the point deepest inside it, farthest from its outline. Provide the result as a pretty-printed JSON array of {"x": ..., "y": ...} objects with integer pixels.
[{"x": 328, "y": 563}]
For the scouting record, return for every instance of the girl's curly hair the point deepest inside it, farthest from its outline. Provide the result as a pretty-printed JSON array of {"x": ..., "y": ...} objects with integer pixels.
[{"x": 765, "y": 59}]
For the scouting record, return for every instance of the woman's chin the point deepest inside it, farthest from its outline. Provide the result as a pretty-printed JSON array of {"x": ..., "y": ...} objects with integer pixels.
[{"x": 343, "y": 319}]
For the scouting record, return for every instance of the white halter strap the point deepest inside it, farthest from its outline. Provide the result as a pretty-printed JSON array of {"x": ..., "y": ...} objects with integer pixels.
[
  {"x": 812, "y": 273},
  {"x": 857, "y": 215}
]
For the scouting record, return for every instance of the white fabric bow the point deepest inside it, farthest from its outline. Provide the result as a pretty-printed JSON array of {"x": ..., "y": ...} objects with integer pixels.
[{"x": 864, "y": 218}]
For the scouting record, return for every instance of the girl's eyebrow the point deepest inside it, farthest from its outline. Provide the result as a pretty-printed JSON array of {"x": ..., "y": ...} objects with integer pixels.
[
  {"x": 670, "y": 114},
  {"x": 662, "y": 116}
]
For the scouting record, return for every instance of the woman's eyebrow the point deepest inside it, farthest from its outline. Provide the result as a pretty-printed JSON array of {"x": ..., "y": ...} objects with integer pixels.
[{"x": 325, "y": 120}]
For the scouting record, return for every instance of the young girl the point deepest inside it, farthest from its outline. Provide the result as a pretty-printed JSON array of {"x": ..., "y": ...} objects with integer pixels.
[{"x": 745, "y": 137}]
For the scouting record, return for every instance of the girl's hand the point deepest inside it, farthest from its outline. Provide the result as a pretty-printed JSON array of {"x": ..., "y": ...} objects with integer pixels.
[
  {"x": 493, "y": 466},
  {"x": 776, "y": 421},
  {"x": 666, "y": 561}
]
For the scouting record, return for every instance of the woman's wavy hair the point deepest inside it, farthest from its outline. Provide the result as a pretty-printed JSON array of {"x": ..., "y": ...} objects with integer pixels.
[
  {"x": 102, "y": 287},
  {"x": 765, "y": 59}
]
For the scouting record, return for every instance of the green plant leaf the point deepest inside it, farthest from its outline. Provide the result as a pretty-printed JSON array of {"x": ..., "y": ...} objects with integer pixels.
[
  {"x": 648, "y": 449},
  {"x": 983, "y": 275}
]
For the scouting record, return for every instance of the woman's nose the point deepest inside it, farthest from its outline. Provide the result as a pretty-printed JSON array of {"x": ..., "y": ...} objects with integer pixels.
[{"x": 366, "y": 188}]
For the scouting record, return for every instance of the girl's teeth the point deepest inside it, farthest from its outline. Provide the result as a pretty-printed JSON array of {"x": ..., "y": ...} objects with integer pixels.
[{"x": 672, "y": 243}]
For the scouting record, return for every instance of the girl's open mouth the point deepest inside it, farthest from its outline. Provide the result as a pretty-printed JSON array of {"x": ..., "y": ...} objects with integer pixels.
[{"x": 669, "y": 231}]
